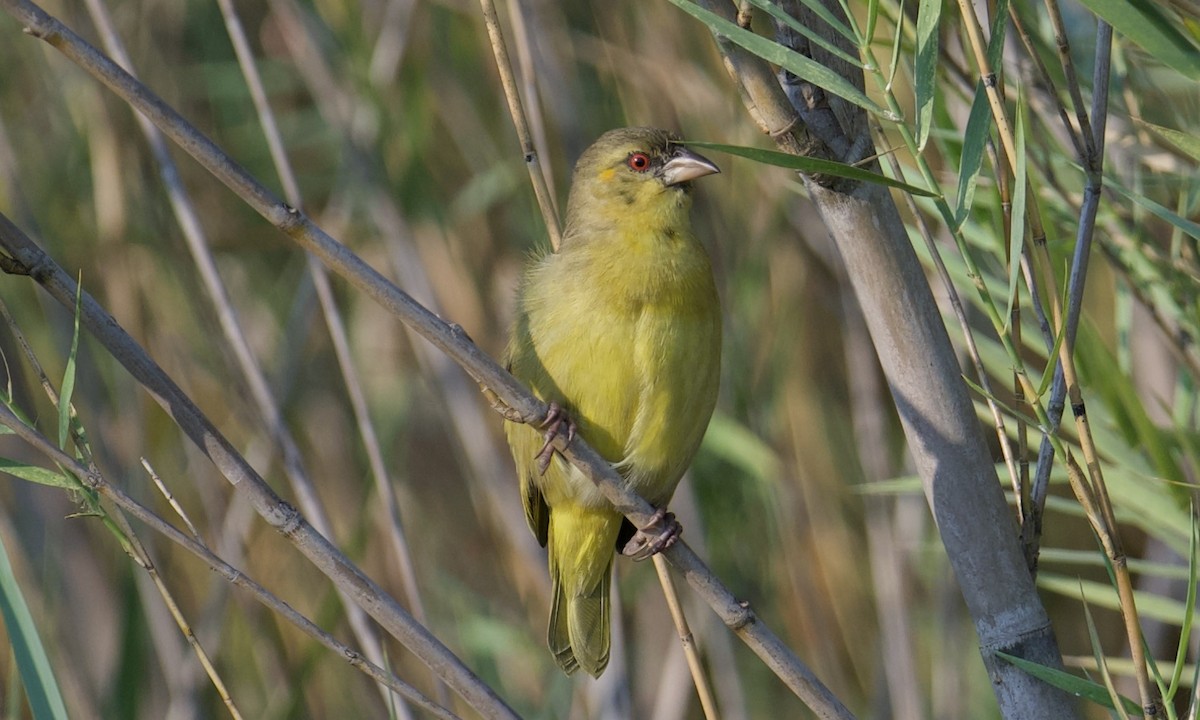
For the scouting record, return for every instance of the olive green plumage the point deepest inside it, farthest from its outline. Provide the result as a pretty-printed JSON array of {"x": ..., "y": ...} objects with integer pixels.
[{"x": 620, "y": 327}]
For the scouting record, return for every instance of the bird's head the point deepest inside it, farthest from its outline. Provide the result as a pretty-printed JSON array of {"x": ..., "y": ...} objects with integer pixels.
[{"x": 639, "y": 175}]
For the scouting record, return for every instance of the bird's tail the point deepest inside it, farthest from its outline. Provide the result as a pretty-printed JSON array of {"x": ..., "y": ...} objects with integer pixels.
[{"x": 581, "y": 555}]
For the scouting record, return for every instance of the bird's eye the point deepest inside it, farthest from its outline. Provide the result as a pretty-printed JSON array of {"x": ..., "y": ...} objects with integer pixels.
[{"x": 639, "y": 162}]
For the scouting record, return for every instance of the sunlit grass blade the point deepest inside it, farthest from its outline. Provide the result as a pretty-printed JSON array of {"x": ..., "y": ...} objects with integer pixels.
[
  {"x": 928, "y": 21},
  {"x": 809, "y": 165},
  {"x": 1187, "y": 226},
  {"x": 1103, "y": 595},
  {"x": 1115, "y": 700},
  {"x": 979, "y": 124},
  {"x": 1186, "y": 142},
  {"x": 1016, "y": 238},
  {"x": 1186, "y": 631},
  {"x": 1067, "y": 682},
  {"x": 1149, "y": 28},
  {"x": 37, "y": 677},
  {"x": 1052, "y": 362},
  {"x": 800, "y": 66}
]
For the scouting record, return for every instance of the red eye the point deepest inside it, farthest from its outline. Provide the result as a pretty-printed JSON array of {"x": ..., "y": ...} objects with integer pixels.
[{"x": 639, "y": 162}]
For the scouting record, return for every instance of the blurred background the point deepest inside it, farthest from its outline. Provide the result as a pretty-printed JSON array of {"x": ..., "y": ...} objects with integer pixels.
[{"x": 800, "y": 498}]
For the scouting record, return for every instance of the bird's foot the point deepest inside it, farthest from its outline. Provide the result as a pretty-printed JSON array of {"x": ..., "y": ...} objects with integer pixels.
[
  {"x": 660, "y": 534},
  {"x": 554, "y": 422}
]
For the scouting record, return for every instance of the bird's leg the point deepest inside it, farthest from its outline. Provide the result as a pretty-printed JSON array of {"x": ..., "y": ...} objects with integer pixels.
[
  {"x": 661, "y": 533},
  {"x": 555, "y": 419}
]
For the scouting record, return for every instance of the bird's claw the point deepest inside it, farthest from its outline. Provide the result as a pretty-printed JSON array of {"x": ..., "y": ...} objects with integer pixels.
[
  {"x": 554, "y": 421},
  {"x": 661, "y": 532}
]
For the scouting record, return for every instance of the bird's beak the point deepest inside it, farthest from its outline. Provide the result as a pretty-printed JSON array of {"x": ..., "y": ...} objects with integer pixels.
[{"x": 686, "y": 165}]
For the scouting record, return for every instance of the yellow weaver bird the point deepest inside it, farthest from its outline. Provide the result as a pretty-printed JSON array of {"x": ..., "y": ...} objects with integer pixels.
[{"x": 620, "y": 331}]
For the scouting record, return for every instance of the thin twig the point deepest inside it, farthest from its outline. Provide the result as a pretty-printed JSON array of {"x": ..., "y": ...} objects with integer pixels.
[
  {"x": 1044, "y": 75},
  {"x": 540, "y": 189},
  {"x": 170, "y": 498},
  {"x": 707, "y": 702},
  {"x": 1068, "y": 65}
]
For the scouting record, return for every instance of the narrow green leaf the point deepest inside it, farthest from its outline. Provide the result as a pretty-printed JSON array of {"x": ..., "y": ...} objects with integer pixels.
[
  {"x": 1144, "y": 23},
  {"x": 897, "y": 40},
  {"x": 1185, "y": 225},
  {"x": 1149, "y": 606},
  {"x": 1016, "y": 238},
  {"x": 872, "y": 19},
  {"x": 777, "y": 12},
  {"x": 795, "y": 63},
  {"x": 37, "y": 677},
  {"x": 1073, "y": 684},
  {"x": 929, "y": 17},
  {"x": 979, "y": 125},
  {"x": 1052, "y": 362},
  {"x": 809, "y": 165},
  {"x": 1097, "y": 653},
  {"x": 68, "y": 383},
  {"x": 1186, "y": 142},
  {"x": 1186, "y": 631},
  {"x": 1008, "y": 409},
  {"x": 36, "y": 474},
  {"x": 995, "y": 49}
]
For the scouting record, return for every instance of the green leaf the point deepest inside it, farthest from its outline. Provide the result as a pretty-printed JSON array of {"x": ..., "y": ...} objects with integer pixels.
[
  {"x": 929, "y": 17},
  {"x": 1073, "y": 684},
  {"x": 37, "y": 677},
  {"x": 809, "y": 165},
  {"x": 39, "y": 475},
  {"x": 1186, "y": 631},
  {"x": 1144, "y": 23},
  {"x": 1052, "y": 362},
  {"x": 1185, "y": 225},
  {"x": 1016, "y": 238},
  {"x": 897, "y": 43},
  {"x": 979, "y": 125},
  {"x": 1186, "y": 142},
  {"x": 872, "y": 19},
  {"x": 68, "y": 383},
  {"x": 1113, "y": 696},
  {"x": 995, "y": 49},
  {"x": 795, "y": 63},
  {"x": 1149, "y": 606}
]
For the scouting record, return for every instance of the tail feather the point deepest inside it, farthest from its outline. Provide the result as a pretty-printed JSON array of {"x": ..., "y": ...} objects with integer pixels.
[{"x": 581, "y": 573}]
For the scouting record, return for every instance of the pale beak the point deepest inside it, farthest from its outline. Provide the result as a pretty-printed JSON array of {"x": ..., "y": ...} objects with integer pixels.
[{"x": 686, "y": 165}]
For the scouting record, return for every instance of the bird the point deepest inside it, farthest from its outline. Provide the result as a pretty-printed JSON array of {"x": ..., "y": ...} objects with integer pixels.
[{"x": 619, "y": 332}]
